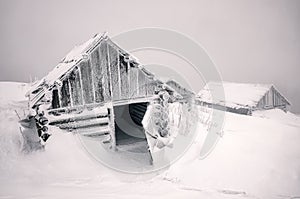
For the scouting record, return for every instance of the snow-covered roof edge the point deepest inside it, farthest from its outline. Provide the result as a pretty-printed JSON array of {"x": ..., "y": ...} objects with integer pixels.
[
  {"x": 68, "y": 62},
  {"x": 72, "y": 59},
  {"x": 187, "y": 91}
]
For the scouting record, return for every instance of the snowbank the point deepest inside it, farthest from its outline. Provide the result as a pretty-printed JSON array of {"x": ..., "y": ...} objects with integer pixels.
[
  {"x": 280, "y": 116},
  {"x": 257, "y": 157}
]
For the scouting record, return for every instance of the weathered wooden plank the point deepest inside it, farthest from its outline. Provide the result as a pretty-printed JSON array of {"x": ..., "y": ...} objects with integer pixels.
[
  {"x": 151, "y": 87},
  {"x": 87, "y": 87},
  {"x": 65, "y": 94},
  {"x": 70, "y": 91},
  {"x": 103, "y": 56},
  {"x": 142, "y": 83},
  {"x": 76, "y": 88},
  {"x": 124, "y": 78},
  {"x": 97, "y": 75},
  {"x": 133, "y": 82},
  {"x": 113, "y": 61}
]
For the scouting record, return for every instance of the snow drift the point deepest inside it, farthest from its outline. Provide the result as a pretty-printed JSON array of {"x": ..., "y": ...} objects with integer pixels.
[{"x": 257, "y": 157}]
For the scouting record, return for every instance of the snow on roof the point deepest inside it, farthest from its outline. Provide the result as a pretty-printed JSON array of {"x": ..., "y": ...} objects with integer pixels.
[
  {"x": 72, "y": 59},
  {"x": 68, "y": 62},
  {"x": 180, "y": 89},
  {"x": 236, "y": 94}
]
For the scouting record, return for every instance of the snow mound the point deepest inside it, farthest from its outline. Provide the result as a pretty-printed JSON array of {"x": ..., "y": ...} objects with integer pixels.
[
  {"x": 256, "y": 157},
  {"x": 279, "y": 116}
]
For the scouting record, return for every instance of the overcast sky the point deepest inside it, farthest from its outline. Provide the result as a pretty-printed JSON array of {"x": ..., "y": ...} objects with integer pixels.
[{"x": 250, "y": 41}]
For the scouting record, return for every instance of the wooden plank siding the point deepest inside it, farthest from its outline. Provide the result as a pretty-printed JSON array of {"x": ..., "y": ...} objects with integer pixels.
[
  {"x": 114, "y": 67},
  {"x": 104, "y": 65},
  {"x": 133, "y": 82},
  {"x": 124, "y": 74},
  {"x": 142, "y": 84},
  {"x": 105, "y": 75},
  {"x": 97, "y": 74},
  {"x": 87, "y": 83}
]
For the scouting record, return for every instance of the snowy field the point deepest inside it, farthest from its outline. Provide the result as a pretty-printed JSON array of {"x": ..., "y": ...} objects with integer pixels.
[{"x": 257, "y": 157}]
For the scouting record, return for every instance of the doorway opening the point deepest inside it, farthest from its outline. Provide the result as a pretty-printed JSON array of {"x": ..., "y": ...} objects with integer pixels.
[{"x": 129, "y": 131}]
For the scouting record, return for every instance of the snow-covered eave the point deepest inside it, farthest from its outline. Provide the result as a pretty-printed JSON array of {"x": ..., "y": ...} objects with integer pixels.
[
  {"x": 226, "y": 104},
  {"x": 184, "y": 88}
]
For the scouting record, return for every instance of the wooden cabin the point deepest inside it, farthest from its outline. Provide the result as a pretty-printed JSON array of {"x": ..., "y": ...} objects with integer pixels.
[
  {"x": 242, "y": 98},
  {"x": 90, "y": 89}
]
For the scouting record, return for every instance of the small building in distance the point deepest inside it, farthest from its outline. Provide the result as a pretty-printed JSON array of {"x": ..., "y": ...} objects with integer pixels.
[{"x": 242, "y": 98}]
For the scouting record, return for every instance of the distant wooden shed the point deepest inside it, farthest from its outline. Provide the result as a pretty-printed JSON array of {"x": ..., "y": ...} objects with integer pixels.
[{"x": 242, "y": 98}]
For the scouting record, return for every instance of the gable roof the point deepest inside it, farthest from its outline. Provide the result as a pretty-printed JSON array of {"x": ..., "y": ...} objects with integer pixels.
[
  {"x": 70, "y": 61},
  {"x": 236, "y": 94}
]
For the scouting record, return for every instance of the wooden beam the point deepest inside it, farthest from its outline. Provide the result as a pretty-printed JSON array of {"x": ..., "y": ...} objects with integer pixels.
[
  {"x": 109, "y": 72},
  {"x": 137, "y": 82},
  {"x": 81, "y": 85},
  {"x": 128, "y": 78},
  {"x": 119, "y": 74},
  {"x": 70, "y": 91},
  {"x": 112, "y": 122},
  {"x": 93, "y": 80},
  {"x": 133, "y": 101}
]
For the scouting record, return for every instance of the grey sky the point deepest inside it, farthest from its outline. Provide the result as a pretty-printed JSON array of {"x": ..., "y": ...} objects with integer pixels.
[{"x": 250, "y": 41}]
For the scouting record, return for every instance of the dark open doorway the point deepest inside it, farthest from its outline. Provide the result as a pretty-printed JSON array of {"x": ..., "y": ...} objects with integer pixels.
[{"x": 129, "y": 130}]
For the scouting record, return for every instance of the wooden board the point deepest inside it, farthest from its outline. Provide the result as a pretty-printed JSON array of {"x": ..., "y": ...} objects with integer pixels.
[
  {"x": 97, "y": 73},
  {"x": 76, "y": 91},
  {"x": 124, "y": 78},
  {"x": 87, "y": 87},
  {"x": 113, "y": 61},
  {"x": 65, "y": 94},
  {"x": 142, "y": 84},
  {"x": 133, "y": 82},
  {"x": 103, "y": 56}
]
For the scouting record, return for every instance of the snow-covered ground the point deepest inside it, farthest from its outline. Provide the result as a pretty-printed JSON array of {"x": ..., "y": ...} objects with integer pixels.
[{"x": 257, "y": 157}]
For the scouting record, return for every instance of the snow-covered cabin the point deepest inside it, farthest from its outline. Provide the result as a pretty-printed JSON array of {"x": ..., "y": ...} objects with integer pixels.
[
  {"x": 242, "y": 98},
  {"x": 95, "y": 87}
]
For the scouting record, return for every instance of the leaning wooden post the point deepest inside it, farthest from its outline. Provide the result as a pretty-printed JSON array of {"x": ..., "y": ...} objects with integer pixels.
[
  {"x": 81, "y": 85},
  {"x": 70, "y": 91},
  {"x": 110, "y": 108}
]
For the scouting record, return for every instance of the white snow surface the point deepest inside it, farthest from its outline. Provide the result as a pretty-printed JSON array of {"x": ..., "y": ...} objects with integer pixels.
[
  {"x": 236, "y": 94},
  {"x": 257, "y": 157},
  {"x": 13, "y": 91}
]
